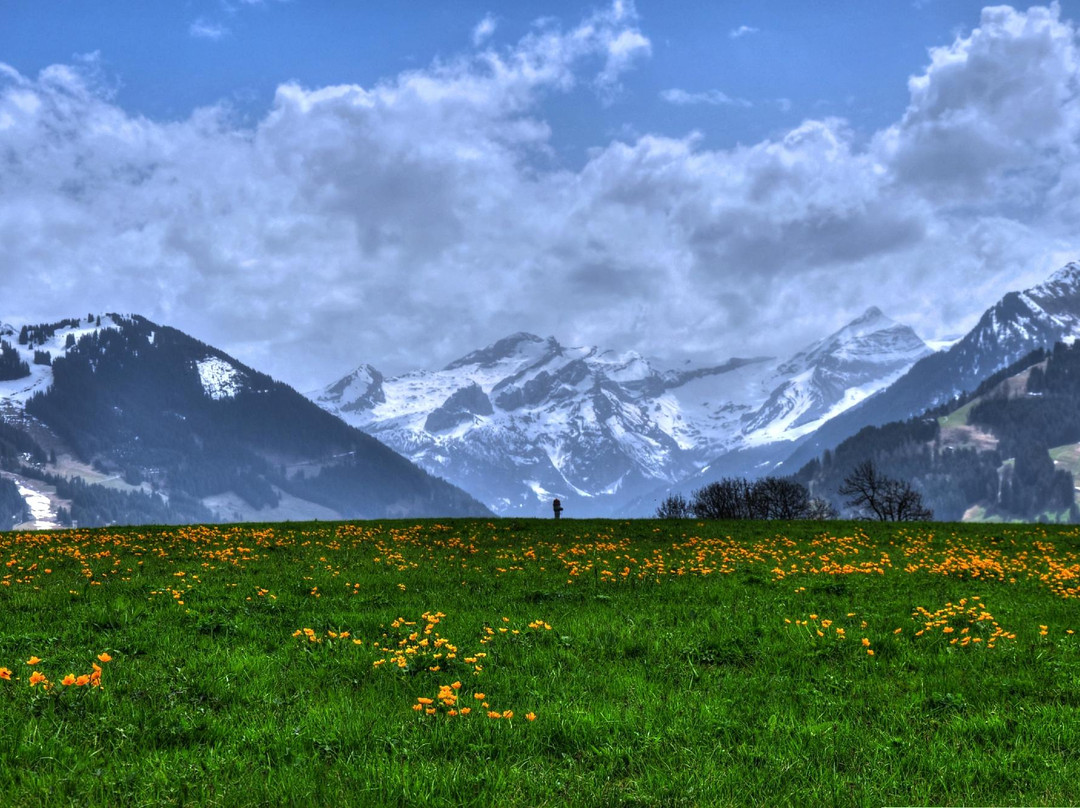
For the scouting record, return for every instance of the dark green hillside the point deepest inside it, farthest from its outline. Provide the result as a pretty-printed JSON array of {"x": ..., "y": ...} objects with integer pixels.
[
  {"x": 11, "y": 364},
  {"x": 12, "y": 507},
  {"x": 15, "y": 443},
  {"x": 988, "y": 451},
  {"x": 950, "y": 480},
  {"x": 131, "y": 402}
]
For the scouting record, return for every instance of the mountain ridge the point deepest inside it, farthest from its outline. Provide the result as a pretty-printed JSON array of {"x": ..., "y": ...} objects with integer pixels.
[
  {"x": 1019, "y": 322},
  {"x": 527, "y": 419},
  {"x": 182, "y": 430}
]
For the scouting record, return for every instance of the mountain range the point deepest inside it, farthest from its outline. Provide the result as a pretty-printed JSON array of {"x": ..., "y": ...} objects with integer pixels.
[
  {"x": 1019, "y": 323},
  {"x": 527, "y": 419},
  {"x": 111, "y": 419}
]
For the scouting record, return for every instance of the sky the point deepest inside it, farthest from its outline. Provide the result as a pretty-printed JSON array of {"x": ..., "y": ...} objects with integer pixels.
[{"x": 312, "y": 184}]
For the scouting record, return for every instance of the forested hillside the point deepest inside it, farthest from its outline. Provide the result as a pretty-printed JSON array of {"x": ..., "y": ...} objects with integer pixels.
[
  {"x": 986, "y": 454},
  {"x": 179, "y": 421},
  {"x": 12, "y": 507}
]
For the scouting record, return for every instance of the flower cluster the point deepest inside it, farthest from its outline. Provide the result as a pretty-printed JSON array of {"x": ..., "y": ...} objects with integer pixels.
[
  {"x": 448, "y": 703},
  {"x": 92, "y": 679},
  {"x": 966, "y": 622},
  {"x": 824, "y": 627},
  {"x": 418, "y": 647}
]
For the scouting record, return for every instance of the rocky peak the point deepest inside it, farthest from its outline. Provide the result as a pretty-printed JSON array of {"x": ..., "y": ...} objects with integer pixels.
[{"x": 519, "y": 344}]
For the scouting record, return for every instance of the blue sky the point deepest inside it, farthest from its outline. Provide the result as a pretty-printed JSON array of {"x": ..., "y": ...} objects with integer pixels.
[
  {"x": 312, "y": 184},
  {"x": 791, "y": 59}
]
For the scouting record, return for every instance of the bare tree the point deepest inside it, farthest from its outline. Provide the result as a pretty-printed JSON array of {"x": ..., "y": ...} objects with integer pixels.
[
  {"x": 728, "y": 498},
  {"x": 883, "y": 498},
  {"x": 674, "y": 507},
  {"x": 865, "y": 486},
  {"x": 904, "y": 503},
  {"x": 781, "y": 498},
  {"x": 737, "y": 498},
  {"x": 820, "y": 509}
]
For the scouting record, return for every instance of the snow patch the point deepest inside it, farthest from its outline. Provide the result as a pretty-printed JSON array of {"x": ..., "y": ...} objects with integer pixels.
[
  {"x": 219, "y": 378},
  {"x": 537, "y": 489},
  {"x": 41, "y": 511}
]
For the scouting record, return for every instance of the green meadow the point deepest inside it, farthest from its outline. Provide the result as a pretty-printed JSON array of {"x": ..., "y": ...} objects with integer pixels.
[{"x": 526, "y": 662}]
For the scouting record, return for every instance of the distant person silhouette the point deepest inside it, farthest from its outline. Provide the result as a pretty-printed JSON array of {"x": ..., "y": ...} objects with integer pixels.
[{"x": 557, "y": 506}]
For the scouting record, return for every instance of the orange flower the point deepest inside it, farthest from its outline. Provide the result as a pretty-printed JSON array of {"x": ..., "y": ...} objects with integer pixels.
[
  {"x": 530, "y": 716},
  {"x": 479, "y": 696},
  {"x": 82, "y": 680},
  {"x": 105, "y": 657},
  {"x": 5, "y": 673},
  {"x": 466, "y": 710},
  {"x": 425, "y": 700},
  {"x": 68, "y": 680},
  {"x": 494, "y": 714},
  {"x": 33, "y": 660},
  {"x": 37, "y": 676}
]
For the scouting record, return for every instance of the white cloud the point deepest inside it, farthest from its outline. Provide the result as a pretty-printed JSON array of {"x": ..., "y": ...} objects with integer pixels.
[
  {"x": 203, "y": 29},
  {"x": 684, "y": 98},
  {"x": 483, "y": 30},
  {"x": 996, "y": 114},
  {"x": 741, "y": 31},
  {"x": 410, "y": 221}
]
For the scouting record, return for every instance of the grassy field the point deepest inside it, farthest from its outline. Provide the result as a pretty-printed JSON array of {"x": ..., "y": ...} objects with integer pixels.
[{"x": 541, "y": 663}]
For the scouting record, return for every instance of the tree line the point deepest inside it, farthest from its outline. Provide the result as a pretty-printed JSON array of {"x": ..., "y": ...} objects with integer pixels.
[{"x": 870, "y": 495}]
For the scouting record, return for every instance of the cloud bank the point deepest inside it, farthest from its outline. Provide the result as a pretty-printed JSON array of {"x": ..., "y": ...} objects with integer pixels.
[{"x": 406, "y": 223}]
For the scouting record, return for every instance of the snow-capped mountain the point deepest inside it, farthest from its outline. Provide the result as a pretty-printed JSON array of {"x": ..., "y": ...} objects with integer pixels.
[
  {"x": 527, "y": 419},
  {"x": 118, "y": 419},
  {"x": 834, "y": 374},
  {"x": 1014, "y": 326}
]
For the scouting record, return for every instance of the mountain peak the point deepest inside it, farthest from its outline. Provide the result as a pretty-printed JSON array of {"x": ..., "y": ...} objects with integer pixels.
[
  {"x": 1063, "y": 283},
  {"x": 514, "y": 345},
  {"x": 871, "y": 338},
  {"x": 362, "y": 389},
  {"x": 873, "y": 319}
]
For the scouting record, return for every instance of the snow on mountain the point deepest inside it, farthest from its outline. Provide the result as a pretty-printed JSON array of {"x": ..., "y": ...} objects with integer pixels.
[
  {"x": 55, "y": 342},
  {"x": 527, "y": 419},
  {"x": 179, "y": 431},
  {"x": 361, "y": 389},
  {"x": 944, "y": 343},
  {"x": 1017, "y": 324},
  {"x": 834, "y": 374},
  {"x": 1014, "y": 326},
  {"x": 220, "y": 379}
]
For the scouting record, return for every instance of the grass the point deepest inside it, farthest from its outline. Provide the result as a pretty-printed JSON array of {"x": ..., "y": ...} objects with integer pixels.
[
  {"x": 665, "y": 663},
  {"x": 958, "y": 417}
]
